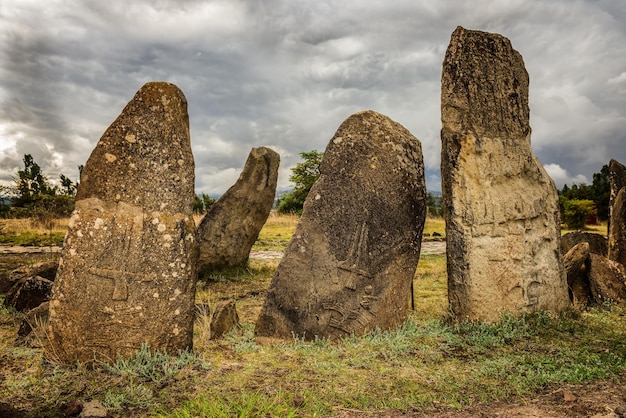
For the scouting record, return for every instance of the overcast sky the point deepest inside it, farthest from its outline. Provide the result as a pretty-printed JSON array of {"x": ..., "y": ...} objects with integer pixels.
[{"x": 285, "y": 74}]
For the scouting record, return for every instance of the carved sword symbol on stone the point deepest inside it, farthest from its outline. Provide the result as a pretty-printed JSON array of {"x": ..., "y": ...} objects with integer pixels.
[
  {"x": 356, "y": 256},
  {"x": 121, "y": 280},
  {"x": 120, "y": 273}
]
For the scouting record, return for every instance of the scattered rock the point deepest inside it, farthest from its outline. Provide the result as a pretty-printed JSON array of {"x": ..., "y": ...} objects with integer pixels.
[
  {"x": 73, "y": 408},
  {"x": 224, "y": 318},
  {"x": 598, "y": 244},
  {"x": 568, "y": 396},
  {"x": 128, "y": 266},
  {"x": 609, "y": 415},
  {"x": 7, "y": 411},
  {"x": 607, "y": 279},
  {"x": 46, "y": 269},
  {"x": 575, "y": 264},
  {"x": 28, "y": 293},
  {"x": 299, "y": 401},
  {"x": 93, "y": 409},
  {"x": 232, "y": 225},
  {"x": 349, "y": 266},
  {"x": 501, "y": 207}
]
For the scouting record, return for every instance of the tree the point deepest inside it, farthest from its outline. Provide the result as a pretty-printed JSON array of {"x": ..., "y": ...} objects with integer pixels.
[
  {"x": 304, "y": 175},
  {"x": 202, "y": 203},
  {"x": 69, "y": 187},
  {"x": 601, "y": 192},
  {"x": 598, "y": 193},
  {"x": 434, "y": 205},
  {"x": 33, "y": 195},
  {"x": 576, "y": 212},
  {"x": 30, "y": 183}
]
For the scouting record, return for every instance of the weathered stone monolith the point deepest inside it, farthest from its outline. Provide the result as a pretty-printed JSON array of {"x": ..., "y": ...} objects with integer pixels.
[
  {"x": 501, "y": 207},
  {"x": 232, "y": 225},
  {"x": 617, "y": 229},
  {"x": 617, "y": 179},
  {"x": 349, "y": 266},
  {"x": 128, "y": 266}
]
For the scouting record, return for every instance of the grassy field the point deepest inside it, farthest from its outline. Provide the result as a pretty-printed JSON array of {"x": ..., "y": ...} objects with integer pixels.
[{"x": 427, "y": 364}]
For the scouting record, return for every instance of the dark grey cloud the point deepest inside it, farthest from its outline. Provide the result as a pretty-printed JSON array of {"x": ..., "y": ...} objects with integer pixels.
[{"x": 286, "y": 73}]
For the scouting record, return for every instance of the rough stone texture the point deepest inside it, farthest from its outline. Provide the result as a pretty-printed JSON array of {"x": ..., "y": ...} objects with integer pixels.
[
  {"x": 501, "y": 207},
  {"x": 224, "y": 318},
  {"x": 349, "y": 265},
  {"x": 598, "y": 244},
  {"x": 607, "y": 279},
  {"x": 28, "y": 293},
  {"x": 128, "y": 266},
  {"x": 93, "y": 409},
  {"x": 617, "y": 180},
  {"x": 576, "y": 262},
  {"x": 617, "y": 229},
  {"x": 45, "y": 269},
  {"x": 232, "y": 225}
]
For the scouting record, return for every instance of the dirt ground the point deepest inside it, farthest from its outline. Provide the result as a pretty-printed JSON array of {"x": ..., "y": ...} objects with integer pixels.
[{"x": 598, "y": 400}]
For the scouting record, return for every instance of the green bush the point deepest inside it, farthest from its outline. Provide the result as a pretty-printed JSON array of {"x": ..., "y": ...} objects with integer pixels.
[{"x": 575, "y": 212}]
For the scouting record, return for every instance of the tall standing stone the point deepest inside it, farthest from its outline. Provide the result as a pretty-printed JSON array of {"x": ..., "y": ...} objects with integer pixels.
[
  {"x": 349, "y": 265},
  {"x": 617, "y": 213},
  {"x": 232, "y": 225},
  {"x": 127, "y": 270},
  {"x": 617, "y": 180},
  {"x": 501, "y": 207},
  {"x": 617, "y": 229}
]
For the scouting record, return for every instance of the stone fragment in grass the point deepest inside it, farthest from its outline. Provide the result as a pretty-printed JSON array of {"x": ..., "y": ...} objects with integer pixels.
[{"x": 224, "y": 318}]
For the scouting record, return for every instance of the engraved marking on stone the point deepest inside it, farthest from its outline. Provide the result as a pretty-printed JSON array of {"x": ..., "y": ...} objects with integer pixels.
[
  {"x": 121, "y": 279},
  {"x": 332, "y": 306},
  {"x": 120, "y": 273},
  {"x": 351, "y": 266},
  {"x": 368, "y": 298},
  {"x": 526, "y": 283}
]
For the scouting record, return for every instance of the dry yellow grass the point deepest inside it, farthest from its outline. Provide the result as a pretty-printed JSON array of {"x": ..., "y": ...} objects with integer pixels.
[
  {"x": 600, "y": 228},
  {"x": 18, "y": 226},
  {"x": 434, "y": 225}
]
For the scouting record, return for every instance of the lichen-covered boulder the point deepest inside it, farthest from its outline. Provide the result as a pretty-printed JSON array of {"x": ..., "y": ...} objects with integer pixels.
[
  {"x": 349, "y": 267},
  {"x": 576, "y": 265},
  {"x": 128, "y": 266},
  {"x": 598, "y": 244}
]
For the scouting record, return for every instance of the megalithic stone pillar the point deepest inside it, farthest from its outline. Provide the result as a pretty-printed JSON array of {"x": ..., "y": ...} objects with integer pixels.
[
  {"x": 501, "y": 207},
  {"x": 127, "y": 270},
  {"x": 616, "y": 227},
  {"x": 232, "y": 225},
  {"x": 349, "y": 266}
]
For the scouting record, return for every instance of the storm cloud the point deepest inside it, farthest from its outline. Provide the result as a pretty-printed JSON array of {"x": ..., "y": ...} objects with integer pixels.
[{"x": 285, "y": 74}]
